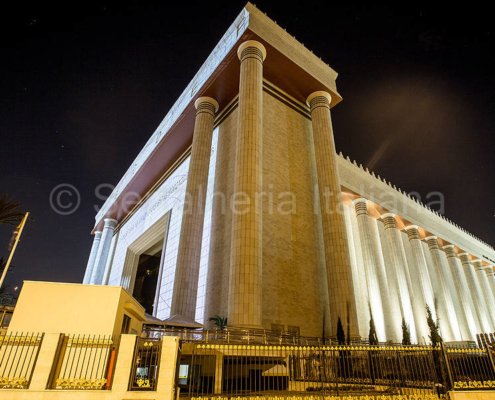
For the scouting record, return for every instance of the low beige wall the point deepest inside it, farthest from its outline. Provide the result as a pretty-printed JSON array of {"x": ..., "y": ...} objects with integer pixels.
[
  {"x": 74, "y": 308},
  {"x": 473, "y": 395},
  {"x": 37, "y": 389}
]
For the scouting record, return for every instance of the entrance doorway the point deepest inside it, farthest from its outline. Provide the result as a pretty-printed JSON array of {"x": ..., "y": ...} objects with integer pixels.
[
  {"x": 142, "y": 272},
  {"x": 147, "y": 272}
]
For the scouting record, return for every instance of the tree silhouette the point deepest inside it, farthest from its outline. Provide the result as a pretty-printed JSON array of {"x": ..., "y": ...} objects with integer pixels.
[
  {"x": 372, "y": 336},
  {"x": 372, "y": 340},
  {"x": 340, "y": 332},
  {"x": 406, "y": 335},
  {"x": 435, "y": 337}
]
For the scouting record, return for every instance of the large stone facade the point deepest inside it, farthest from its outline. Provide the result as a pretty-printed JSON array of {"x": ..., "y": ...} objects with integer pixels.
[{"x": 283, "y": 232}]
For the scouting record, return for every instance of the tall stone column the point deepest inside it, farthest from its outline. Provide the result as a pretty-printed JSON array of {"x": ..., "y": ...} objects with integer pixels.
[
  {"x": 109, "y": 263},
  {"x": 446, "y": 294},
  {"x": 191, "y": 233},
  {"x": 109, "y": 225},
  {"x": 486, "y": 291},
  {"x": 491, "y": 278},
  {"x": 476, "y": 293},
  {"x": 92, "y": 256},
  {"x": 245, "y": 289},
  {"x": 336, "y": 247},
  {"x": 420, "y": 277},
  {"x": 490, "y": 275},
  {"x": 396, "y": 262},
  {"x": 383, "y": 299},
  {"x": 467, "y": 310}
]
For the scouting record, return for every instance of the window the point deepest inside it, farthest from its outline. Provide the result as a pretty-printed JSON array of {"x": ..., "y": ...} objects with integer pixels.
[{"x": 126, "y": 323}]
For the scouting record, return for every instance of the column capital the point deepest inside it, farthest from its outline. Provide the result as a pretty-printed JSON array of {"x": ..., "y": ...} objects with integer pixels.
[
  {"x": 449, "y": 250},
  {"x": 361, "y": 206},
  {"x": 251, "y": 49},
  {"x": 110, "y": 223},
  {"x": 432, "y": 242},
  {"x": 319, "y": 98},
  {"x": 97, "y": 234},
  {"x": 412, "y": 232},
  {"x": 206, "y": 104},
  {"x": 359, "y": 200},
  {"x": 389, "y": 220},
  {"x": 389, "y": 214},
  {"x": 464, "y": 258}
]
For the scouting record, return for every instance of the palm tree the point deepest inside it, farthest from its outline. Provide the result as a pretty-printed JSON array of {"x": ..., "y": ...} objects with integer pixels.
[
  {"x": 220, "y": 322},
  {"x": 6, "y": 298},
  {"x": 10, "y": 213}
]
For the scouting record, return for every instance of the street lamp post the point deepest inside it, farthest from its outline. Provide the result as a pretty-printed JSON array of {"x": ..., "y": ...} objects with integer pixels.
[{"x": 17, "y": 236}]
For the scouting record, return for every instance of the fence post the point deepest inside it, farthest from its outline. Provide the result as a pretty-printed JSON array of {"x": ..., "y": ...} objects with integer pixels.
[
  {"x": 450, "y": 380},
  {"x": 123, "y": 365},
  {"x": 110, "y": 369},
  {"x": 167, "y": 372},
  {"x": 490, "y": 355},
  {"x": 218, "y": 372},
  {"x": 336, "y": 364},
  {"x": 57, "y": 361},
  {"x": 401, "y": 375},
  {"x": 45, "y": 361}
]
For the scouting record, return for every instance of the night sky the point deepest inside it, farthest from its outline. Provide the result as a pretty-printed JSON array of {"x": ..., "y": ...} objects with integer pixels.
[{"x": 83, "y": 88}]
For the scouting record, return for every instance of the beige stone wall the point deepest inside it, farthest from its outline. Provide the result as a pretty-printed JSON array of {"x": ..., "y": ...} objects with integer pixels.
[
  {"x": 291, "y": 278},
  {"x": 292, "y": 293},
  {"x": 75, "y": 308}
]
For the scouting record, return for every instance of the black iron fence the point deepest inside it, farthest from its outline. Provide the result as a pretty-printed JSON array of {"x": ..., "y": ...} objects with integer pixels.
[
  {"x": 145, "y": 364},
  {"x": 83, "y": 362},
  {"x": 18, "y": 354},
  {"x": 240, "y": 370},
  {"x": 211, "y": 369},
  {"x": 246, "y": 368},
  {"x": 486, "y": 340},
  {"x": 469, "y": 368}
]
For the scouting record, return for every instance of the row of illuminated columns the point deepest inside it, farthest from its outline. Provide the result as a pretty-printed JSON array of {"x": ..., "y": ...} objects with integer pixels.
[
  {"x": 245, "y": 278},
  {"x": 457, "y": 289}
]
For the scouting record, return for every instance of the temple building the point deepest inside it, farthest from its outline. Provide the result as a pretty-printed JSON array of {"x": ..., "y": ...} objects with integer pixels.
[{"x": 240, "y": 206}]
